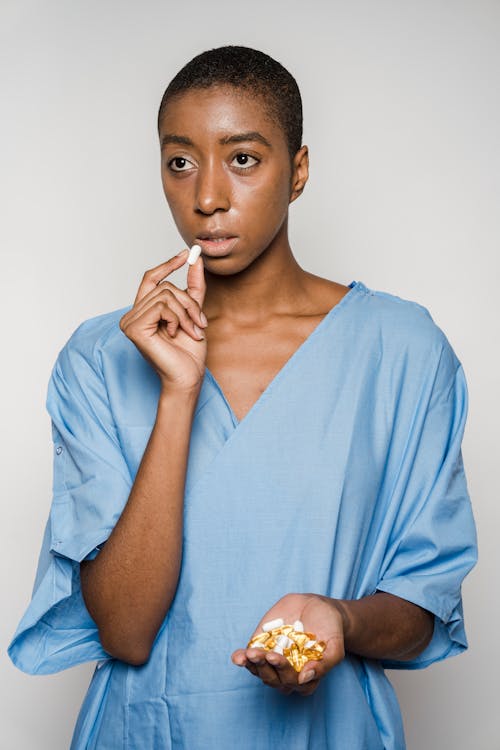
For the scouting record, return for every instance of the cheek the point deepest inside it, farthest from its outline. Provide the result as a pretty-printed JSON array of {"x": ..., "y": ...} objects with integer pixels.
[
  {"x": 268, "y": 197},
  {"x": 176, "y": 200}
]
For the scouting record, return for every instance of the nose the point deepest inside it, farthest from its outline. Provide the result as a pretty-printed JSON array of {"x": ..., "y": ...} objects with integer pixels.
[{"x": 212, "y": 190}]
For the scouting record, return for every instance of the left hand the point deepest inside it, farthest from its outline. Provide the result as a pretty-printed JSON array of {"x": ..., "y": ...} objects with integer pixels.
[{"x": 320, "y": 616}]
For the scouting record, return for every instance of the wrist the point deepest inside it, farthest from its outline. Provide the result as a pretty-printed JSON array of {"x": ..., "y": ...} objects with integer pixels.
[
  {"x": 175, "y": 412},
  {"x": 176, "y": 408},
  {"x": 178, "y": 396},
  {"x": 342, "y": 607}
]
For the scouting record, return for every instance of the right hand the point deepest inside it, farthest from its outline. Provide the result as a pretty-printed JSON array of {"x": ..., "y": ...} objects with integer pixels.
[{"x": 162, "y": 324}]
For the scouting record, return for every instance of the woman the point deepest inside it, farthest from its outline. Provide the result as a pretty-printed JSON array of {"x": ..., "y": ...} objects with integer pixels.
[{"x": 263, "y": 444}]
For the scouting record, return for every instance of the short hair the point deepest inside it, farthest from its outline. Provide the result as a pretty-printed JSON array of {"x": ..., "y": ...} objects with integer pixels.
[{"x": 251, "y": 70}]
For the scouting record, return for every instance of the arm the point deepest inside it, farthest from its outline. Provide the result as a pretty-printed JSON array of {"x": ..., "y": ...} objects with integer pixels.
[
  {"x": 383, "y": 626},
  {"x": 129, "y": 587}
]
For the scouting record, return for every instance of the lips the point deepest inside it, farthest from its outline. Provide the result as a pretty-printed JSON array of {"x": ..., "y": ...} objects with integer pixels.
[{"x": 216, "y": 244}]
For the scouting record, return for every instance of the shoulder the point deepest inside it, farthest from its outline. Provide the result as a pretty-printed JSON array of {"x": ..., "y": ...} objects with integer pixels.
[
  {"x": 91, "y": 339},
  {"x": 402, "y": 326},
  {"x": 396, "y": 313}
]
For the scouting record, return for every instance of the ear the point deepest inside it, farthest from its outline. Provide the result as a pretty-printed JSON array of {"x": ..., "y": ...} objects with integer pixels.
[{"x": 300, "y": 172}]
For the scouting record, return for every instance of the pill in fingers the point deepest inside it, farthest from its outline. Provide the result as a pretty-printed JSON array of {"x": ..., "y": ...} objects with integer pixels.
[{"x": 194, "y": 254}]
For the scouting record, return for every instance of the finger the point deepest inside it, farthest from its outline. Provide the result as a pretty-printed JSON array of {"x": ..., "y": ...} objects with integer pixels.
[
  {"x": 332, "y": 655},
  {"x": 289, "y": 678},
  {"x": 156, "y": 274},
  {"x": 239, "y": 657},
  {"x": 284, "y": 670},
  {"x": 155, "y": 302},
  {"x": 316, "y": 670},
  {"x": 159, "y": 291},
  {"x": 196, "y": 284},
  {"x": 265, "y": 671},
  {"x": 188, "y": 302},
  {"x": 309, "y": 672},
  {"x": 185, "y": 321},
  {"x": 146, "y": 325},
  {"x": 167, "y": 297}
]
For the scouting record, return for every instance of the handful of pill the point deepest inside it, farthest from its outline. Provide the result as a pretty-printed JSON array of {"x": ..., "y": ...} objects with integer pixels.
[{"x": 289, "y": 641}]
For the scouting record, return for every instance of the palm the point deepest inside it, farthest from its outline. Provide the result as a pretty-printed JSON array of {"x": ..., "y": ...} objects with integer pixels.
[
  {"x": 316, "y": 614},
  {"x": 319, "y": 617}
]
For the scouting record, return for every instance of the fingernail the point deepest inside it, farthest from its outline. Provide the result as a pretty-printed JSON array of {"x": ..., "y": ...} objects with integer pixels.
[
  {"x": 203, "y": 318},
  {"x": 198, "y": 331},
  {"x": 182, "y": 252},
  {"x": 272, "y": 659},
  {"x": 308, "y": 676}
]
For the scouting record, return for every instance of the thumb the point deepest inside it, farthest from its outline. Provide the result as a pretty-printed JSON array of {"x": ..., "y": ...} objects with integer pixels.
[
  {"x": 333, "y": 655},
  {"x": 196, "y": 284}
]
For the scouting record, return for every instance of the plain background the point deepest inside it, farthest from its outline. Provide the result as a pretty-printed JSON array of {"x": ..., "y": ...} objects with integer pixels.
[{"x": 402, "y": 117}]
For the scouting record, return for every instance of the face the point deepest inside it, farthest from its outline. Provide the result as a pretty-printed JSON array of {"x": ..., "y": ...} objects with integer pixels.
[{"x": 227, "y": 175}]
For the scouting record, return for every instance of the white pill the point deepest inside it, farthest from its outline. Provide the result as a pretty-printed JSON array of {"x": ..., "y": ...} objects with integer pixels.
[
  {"x": 194, "y": 254},
  {"x": 278, "y": 623},
  {"x": 278, "y": 650},
  {"x": 310, "y": 644},
  {"x": 297, "y": 625},
  {"x": 283, "y": 641}
]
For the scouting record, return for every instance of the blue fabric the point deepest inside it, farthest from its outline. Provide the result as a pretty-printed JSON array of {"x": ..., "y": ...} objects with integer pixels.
[{"x": 350, "y": 460}]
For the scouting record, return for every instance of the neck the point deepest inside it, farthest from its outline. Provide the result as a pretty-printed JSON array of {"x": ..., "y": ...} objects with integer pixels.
[{"x": 272, "y": 284}]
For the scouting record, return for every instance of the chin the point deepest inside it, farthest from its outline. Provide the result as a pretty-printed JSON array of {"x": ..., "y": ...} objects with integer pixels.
[{"x": 229, "y": 265}]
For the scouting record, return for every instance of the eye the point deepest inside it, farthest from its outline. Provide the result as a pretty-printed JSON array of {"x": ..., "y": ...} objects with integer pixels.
[
  {"x": 245, "y": 161},
  {"x": 179, "y": 164}
]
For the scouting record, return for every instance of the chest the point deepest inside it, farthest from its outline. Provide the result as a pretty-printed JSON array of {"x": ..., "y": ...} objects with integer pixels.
[{"x": 244, "y": 365}]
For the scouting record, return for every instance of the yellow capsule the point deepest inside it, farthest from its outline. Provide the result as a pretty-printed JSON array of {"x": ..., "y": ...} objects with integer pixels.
[
  {"x": 299, "y": 638},
  {"x": 296, "y": 653}
]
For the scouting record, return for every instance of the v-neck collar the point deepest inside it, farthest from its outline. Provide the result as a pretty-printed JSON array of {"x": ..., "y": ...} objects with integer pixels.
[{"x": 354, "y": 286}]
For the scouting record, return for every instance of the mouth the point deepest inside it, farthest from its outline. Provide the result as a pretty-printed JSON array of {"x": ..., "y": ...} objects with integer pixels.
[{"x": 216, "y": 244}]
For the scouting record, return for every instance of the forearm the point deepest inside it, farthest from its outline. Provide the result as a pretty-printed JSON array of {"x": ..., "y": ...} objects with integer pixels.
[
  {"x": 129, "y": 586},
  {"x": 384, "y": 626}
]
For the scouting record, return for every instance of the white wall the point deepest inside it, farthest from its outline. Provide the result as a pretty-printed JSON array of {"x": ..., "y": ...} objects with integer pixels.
[{"x": 402, "y": 116}]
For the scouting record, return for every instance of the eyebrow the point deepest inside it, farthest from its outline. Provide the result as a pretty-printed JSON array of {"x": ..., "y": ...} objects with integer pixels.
[{"x": 251, "y": 135}]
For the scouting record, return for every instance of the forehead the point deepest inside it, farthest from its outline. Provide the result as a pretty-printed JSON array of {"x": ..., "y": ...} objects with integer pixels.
[{"x": 218, "y": 111}]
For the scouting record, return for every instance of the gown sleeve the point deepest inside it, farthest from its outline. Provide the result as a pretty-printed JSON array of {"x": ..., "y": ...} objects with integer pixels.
[
  {"x": 433, "y": 544},
  {"x": 91, "y": 484}
]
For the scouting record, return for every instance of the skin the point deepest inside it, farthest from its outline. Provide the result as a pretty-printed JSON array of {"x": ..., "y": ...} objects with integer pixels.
[{"x": 259, "y": 307}]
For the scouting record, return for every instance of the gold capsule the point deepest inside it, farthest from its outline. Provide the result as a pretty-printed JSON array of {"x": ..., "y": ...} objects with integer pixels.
[{"x": 303, "y": 647}]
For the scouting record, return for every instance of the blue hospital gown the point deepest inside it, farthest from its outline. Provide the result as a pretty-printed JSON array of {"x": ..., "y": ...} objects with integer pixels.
[{"x": 351, "y": 462}]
